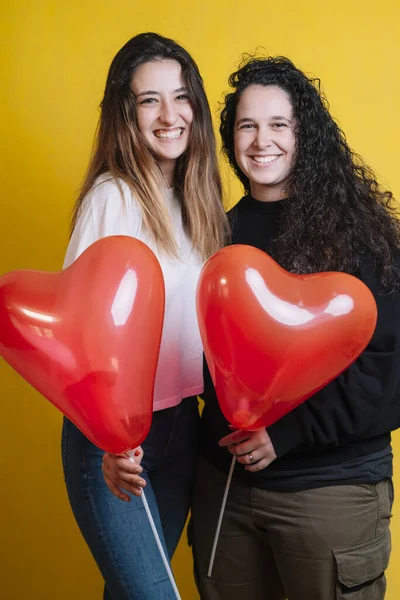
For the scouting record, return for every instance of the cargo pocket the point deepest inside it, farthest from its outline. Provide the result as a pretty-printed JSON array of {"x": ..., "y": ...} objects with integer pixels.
[{"x": 360, "y": 569}]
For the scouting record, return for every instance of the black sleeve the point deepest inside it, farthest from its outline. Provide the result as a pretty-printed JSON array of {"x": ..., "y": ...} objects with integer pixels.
[{"x": 363, "y": 402}]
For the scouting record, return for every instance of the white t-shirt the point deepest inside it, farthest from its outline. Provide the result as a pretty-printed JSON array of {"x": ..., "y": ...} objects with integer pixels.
[{"x": 104, "y": 212}]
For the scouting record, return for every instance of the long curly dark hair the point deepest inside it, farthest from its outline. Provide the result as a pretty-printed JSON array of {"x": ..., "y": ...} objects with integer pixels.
[{"x": 340, "y": 213}]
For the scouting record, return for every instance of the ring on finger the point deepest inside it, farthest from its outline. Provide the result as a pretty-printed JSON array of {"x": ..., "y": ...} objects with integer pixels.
[{"x": 251, "y": 459}]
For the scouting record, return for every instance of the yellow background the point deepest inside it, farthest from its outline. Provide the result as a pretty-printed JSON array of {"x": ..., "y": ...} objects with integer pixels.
[{"x": 55, "y": 57}]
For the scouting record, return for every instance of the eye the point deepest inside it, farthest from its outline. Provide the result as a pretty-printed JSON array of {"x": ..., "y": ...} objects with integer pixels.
[
  {"x": 279, "y": 125},
  {"x": 247, "y": 126},
  {"x": 182, "y": 97},
  {"x": 148, "y": 101}
]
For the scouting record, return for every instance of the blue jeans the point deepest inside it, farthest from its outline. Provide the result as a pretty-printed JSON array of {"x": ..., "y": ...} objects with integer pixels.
[{"x": 118, "y": 533}]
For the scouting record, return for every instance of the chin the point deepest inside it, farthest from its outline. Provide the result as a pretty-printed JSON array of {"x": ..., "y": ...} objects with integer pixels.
[
  {"x": 176, "y": 153},
  {"x": 262, "y": 181},
  {"x": 172, "y": 156}
]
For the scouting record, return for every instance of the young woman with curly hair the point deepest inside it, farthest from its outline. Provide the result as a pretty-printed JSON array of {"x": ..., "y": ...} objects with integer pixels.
[{"x": 308, "y": 512}]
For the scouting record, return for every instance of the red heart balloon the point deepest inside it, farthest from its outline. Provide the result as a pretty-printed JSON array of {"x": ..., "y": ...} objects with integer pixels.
[
  {"x": 271, "y": 338},
  {"x": 88, "y": 337}
]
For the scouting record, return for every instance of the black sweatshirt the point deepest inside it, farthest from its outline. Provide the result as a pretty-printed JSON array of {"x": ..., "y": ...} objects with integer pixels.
[{"x": 342, "y": 433}]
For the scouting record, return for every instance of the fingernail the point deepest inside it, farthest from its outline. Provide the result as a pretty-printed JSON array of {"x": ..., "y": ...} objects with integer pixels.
[{"x": 136, "y": 453}]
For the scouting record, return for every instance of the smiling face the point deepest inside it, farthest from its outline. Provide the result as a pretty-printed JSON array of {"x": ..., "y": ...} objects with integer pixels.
[
  {"x": 265, "y": 140},
  {"x": 164, "y": 113}
]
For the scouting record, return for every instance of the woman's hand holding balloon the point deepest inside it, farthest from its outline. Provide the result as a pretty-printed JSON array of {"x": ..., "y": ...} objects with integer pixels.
[
  {"x": 121, "y": 473},
  {"x": 251, "y": 448}
]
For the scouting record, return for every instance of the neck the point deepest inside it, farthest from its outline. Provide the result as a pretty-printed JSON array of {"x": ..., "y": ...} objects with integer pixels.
[
  {"x": 267, "y": 193},
  {"x": 168, "y": 170}
]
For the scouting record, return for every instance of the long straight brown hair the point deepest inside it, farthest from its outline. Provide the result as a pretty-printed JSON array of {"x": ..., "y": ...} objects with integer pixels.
[{"x": 120, "y": 149}]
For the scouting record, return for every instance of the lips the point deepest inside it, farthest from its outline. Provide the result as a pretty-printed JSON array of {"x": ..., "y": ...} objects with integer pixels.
[{"x": 169, "y": 134}]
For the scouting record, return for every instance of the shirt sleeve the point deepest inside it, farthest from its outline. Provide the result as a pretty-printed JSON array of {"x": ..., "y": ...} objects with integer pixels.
[
  {"x": 363, "y": 402},
  {"x": 108, "y": 209}
]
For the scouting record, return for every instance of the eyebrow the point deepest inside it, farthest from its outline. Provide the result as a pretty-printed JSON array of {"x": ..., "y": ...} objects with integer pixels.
[
  {"x": 154, "y": 93},
  {"x": 249, "y": 120}
]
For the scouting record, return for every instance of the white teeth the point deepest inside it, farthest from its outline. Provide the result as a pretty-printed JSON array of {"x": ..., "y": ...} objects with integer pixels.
[
  {"x": 265, "y": 159},
  {"x": 168, "y": 135}
]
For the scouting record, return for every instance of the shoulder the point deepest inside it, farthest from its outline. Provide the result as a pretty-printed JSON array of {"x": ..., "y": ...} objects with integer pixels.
[
  {"x": 370, "y": 270},
  {"x": 233, "y": 212},
  {"x": 107, "y": 192},
  {"x": 110, "y": 202},
  {"x": 237, "y": 207},
  {"x": 108, "y": 209}
]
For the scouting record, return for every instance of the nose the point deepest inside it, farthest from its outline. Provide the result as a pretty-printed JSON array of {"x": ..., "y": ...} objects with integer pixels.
[
  {"x": 168, "y": 113},
  {"x": 263, "y": 138}
]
